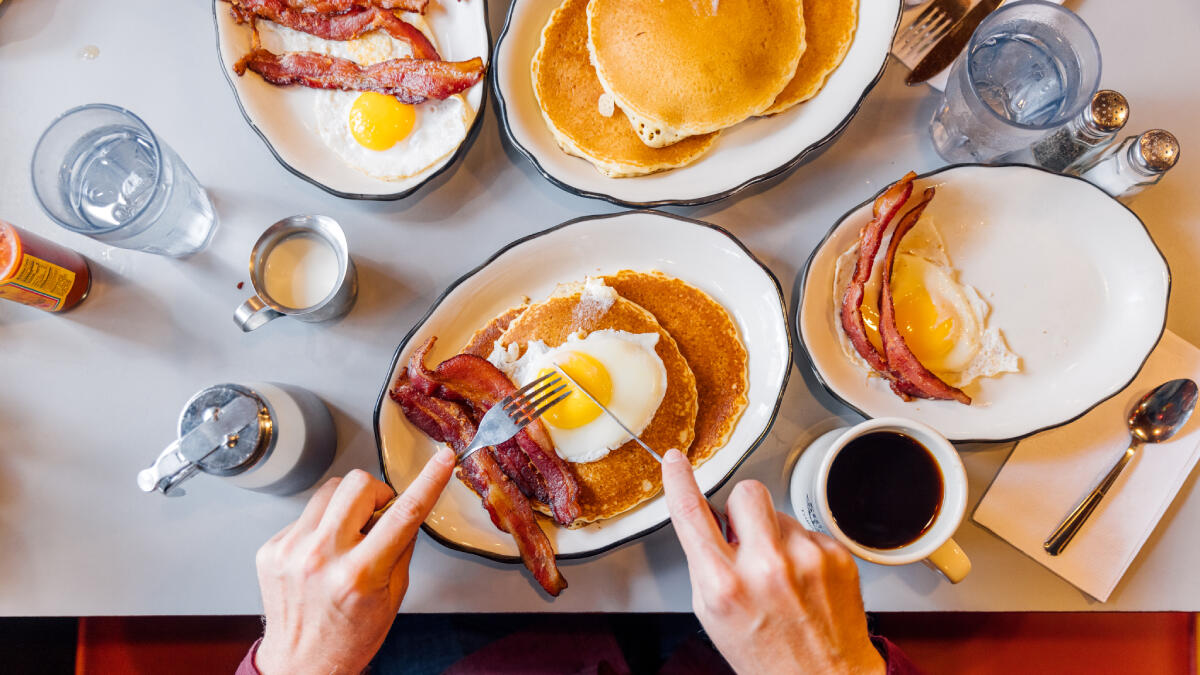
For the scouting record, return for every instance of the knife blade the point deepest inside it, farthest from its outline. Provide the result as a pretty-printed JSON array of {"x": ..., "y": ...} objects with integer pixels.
[
  {"x": 722, "y": 521},
  {"x": 611, "y": 415},
  {"x": 944, "y": 52}
]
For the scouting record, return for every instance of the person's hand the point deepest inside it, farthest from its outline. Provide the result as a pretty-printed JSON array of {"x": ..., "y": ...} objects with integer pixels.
[
  {"x": 330, "y": 593},
  {"x": 783, "y": 599}
]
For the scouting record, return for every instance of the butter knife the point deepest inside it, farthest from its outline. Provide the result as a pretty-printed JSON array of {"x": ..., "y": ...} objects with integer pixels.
[
  {"x": 944, "y": 52},
  {"x": 722, "y": 521}
]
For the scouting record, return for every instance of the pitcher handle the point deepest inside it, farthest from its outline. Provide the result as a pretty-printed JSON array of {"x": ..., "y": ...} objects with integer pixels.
[{"x": 253, "y": 314}]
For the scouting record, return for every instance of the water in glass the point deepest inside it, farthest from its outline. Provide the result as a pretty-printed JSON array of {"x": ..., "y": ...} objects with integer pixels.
[{"x": 108, "y": 180}]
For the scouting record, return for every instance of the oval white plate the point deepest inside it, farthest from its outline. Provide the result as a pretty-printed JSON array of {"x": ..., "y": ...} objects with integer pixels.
[
  {"x": 1075, "y": 283},
  {"x": 745, "y": 154},
  {"x": 283, "y": 116},
  {"x": 704, "y": 255}
]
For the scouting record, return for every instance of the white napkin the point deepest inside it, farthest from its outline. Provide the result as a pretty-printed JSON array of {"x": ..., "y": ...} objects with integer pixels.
[
  {"x": 909, "y": 15},
  {"x": 1047, "y": 474}
]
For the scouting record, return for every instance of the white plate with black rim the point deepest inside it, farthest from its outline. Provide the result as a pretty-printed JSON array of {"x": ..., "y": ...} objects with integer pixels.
[
  {"x": 283, "y": 116},
  {"x": 1075, "y": 283},
  {"x": 749, "y": 152},
  {"x": 701, "y": 254}
]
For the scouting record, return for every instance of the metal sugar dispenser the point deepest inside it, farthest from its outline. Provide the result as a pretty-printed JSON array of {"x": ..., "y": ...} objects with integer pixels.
[
  {"x": 264, "y": 437},
  {"x": 1133, "y": 164}
]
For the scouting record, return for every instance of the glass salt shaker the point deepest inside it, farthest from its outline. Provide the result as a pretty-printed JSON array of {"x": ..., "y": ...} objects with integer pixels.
[
  {"x": 1089, "y": 131},
  {"x": 265, "y": 437},
  {"x": 1128, "y": 167}
]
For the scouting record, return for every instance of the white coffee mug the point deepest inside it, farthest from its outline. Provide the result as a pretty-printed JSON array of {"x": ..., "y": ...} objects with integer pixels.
[{"x": 935, "y": 547}]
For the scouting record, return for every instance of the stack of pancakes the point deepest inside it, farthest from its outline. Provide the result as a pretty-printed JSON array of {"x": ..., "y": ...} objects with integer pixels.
[
  {"x": 705, "y": 362},
  {"x": 636, "y": 87}
]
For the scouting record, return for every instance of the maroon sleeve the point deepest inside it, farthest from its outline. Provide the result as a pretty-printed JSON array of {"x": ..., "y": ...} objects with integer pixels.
[
  {"x": 897, "y": 661},
  {"x": 247, "y": 667}
]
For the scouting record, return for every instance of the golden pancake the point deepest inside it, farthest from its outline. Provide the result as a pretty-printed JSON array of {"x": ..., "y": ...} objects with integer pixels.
[
  {"x": 679, "y": 69},
  {"x": 568, "y": 92},
  {"x": 708, "y": 338},
  {"x": 628, "y": 475},
  {"x": 829, "y": 31},
  {"x": 482, "y": 341}
]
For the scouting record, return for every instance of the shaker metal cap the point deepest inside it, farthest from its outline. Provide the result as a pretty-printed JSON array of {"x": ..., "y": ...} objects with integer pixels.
[
  {"x": 1158, "y": 150},
  {"x": 1109, "y": 110},
  {"x": 239, "y": 449},
  {"x": 223, "y": 430}
]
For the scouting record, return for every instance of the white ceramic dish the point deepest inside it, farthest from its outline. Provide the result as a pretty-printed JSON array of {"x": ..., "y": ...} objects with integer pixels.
[
  {"x": 283, "y": 116},
  {"x": 1075, "y": 283},
  {"x": 701, "y": 254},
  {"x": 745, "y": 154}
]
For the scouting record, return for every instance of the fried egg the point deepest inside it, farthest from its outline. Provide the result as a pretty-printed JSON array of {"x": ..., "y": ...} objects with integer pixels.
[
  {"x": 619, "y": 368},
  {"x": 376, "y": 133},
  {"x": 943, "y": 321}
]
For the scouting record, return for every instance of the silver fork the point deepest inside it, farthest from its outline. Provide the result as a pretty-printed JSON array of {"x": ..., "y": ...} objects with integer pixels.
[
  {"x": 503, "y": 421},
  {"x": 931, "y": 25},
  {"x": 515, "y": 411}
]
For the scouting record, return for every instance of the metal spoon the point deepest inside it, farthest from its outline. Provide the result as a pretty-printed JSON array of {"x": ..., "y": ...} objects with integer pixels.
[{"x": 1154, "y": 419}]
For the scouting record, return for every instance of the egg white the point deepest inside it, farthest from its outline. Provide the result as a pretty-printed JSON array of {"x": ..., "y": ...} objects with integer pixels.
[
  {"x": 440, "y": 128},
  {"x": 639, "y": 383},
  {"x": 979, "y": 349}
]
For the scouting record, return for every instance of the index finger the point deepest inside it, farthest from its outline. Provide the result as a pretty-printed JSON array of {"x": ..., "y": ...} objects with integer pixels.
[
  {"x": 698, "y": 533},
  {"x": 385, "y": 543}
]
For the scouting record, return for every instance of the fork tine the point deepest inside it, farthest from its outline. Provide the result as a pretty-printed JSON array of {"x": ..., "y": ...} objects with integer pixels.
[
  {"x": 522, "y": 401},
  {"x": 923, "y": 31},
  {"x": 532, "y": 403},
  {"x": 532, "y": 384},
  {"x": 516, "y": 394},
  {"x": 540, "y": 411},
  {"x": 931, "y": 36}
]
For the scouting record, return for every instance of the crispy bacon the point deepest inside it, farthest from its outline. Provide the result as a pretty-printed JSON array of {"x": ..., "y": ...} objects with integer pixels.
[
  {"x": 887, "y": 205},
  {"x": 447, "y": 422},
  {"x": 481, "y": 385},
  {"x": 911, "y": 378},
  {"x": 409, "y": 80},
  {"x": 346, "y": 26},
  {"x": 338, "y": 6}
]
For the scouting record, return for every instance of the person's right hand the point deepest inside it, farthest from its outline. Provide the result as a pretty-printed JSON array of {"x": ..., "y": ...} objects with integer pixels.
[
  {"x": 330, "y": 593},
  {"x": 781, "y": 600}
]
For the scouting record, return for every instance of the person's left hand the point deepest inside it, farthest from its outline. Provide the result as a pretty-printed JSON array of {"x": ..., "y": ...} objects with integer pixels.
[{"x": 330, "y": 593}]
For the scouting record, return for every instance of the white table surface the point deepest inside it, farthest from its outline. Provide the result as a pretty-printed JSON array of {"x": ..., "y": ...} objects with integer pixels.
[{"x": 88, "y": 398}]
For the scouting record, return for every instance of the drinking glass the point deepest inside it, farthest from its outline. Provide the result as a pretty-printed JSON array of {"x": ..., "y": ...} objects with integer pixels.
[
  {"x": 98, "y": 170},
  {"x": 1029, "y": 67}
]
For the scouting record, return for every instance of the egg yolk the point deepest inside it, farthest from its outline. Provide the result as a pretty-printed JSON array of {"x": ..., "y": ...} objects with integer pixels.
[
  {"x": 926, "y": 333},
  {"x": 378, "y": 122},
  {"x": 576, "y": 409}
]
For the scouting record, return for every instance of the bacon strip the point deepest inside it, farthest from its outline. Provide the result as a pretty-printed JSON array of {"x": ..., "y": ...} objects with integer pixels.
[
  {"x": 447, "y": 422},
  {"x": 409, "y": 80},
  {"x": 481, "y": 385},
  {"x": 338, "y": 6},
  {"x": 911, "y": 378},
  {"x": 347, "y": 26},
  {"x": 887, "y": 205}
]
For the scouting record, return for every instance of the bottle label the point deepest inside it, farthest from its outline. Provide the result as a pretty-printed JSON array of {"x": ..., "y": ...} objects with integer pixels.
[{"x": 38, "y": 283}]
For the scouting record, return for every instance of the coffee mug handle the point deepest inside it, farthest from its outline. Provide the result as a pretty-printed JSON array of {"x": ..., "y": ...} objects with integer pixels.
[
  {"x": 950, "y": 560},
  {"x": 253, "y": 313}
]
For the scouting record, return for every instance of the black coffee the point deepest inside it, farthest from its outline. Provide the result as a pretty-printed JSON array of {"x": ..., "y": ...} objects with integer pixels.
[{"x": 885, "y": 489}]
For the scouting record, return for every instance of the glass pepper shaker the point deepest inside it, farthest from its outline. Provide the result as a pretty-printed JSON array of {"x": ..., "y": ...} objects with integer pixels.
[
  {"x": 1128, "y": 167},
  {"x": 1093, "y": 128}
]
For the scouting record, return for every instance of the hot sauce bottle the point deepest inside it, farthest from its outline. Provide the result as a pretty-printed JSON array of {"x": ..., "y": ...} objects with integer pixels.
[{"x": 39, "y": 273}]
